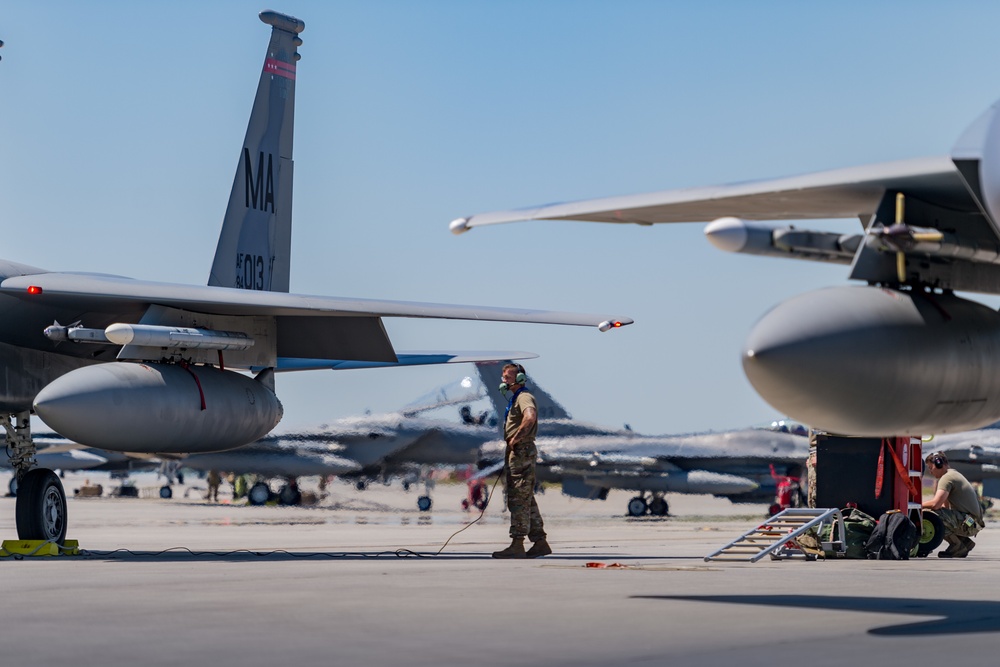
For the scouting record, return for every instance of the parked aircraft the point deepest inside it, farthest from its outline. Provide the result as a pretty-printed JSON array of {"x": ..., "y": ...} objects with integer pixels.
[
  {"x": 901, "y": 355},
  {"x": 588, "y": 460},
  {"x": 365, "y": 448},
  {"x": 138, "y": 366}
]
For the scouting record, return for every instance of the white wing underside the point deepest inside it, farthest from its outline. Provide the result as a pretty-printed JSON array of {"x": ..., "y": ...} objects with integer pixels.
[{"x": 840, "y": 193}]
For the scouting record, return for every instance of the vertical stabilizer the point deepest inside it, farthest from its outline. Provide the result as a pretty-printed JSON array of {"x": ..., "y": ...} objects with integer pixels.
[
  {"x": 254, "y": 250},
  {"x": 489, "y": 373}
]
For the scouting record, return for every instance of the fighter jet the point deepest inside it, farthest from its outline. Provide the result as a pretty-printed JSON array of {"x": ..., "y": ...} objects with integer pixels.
[
  {"x": 741, "y": 465},
  {"x": 363, "y": 448},
  {"x": 138, "y": 366},
  {"x": 900, "y": 354}
]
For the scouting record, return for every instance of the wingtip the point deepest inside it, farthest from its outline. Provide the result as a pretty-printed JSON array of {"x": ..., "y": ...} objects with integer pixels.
[
  {"x": 459, "y": 226},
  {"x": 607, "y": 325}
]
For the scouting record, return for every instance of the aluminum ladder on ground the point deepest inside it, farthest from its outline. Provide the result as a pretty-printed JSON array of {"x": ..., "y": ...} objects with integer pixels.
[{"x": 777, "y": 536}]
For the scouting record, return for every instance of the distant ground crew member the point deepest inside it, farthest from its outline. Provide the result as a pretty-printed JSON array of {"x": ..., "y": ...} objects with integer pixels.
[
  {"x": 214, "y": 479},
  {"x": 520, "y": 429},
  {"x": 957, "y": 503}
]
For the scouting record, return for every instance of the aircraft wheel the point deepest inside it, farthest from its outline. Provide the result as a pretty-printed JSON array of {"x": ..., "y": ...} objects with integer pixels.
[
  {"x": 259, "y": 494},
  {"x": 406, "y": 486},
  {"x": 659, "y": 507},
  {"x": 361, "y": 485},
  {"x": 166, "y": 492},
  {"x": 424, "y": 503},
  {"x": 289, "y": 496},
  {"x": 637, "y": 506},
  {"x": 931, "y": 533},
  {"x": 41, "y": 507},
  {"x": 12, "y": 486}
]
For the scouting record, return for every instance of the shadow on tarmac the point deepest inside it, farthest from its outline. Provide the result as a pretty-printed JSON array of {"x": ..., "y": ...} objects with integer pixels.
[
  {"x": 183, "y": 554},
  {"x": 956, "y": 616}
]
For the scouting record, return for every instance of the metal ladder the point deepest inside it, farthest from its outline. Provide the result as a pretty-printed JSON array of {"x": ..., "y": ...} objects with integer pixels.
[{"x": 777, "y": 536}]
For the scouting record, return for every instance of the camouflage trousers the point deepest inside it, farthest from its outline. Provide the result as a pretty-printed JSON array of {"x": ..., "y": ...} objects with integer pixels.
[
  {"x": 525, "y": 520},
  {"x": 955, "y": 523}
]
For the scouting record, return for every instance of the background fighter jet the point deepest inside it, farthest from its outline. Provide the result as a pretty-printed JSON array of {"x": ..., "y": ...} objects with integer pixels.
[
  {"x": 902, "y": 355},
  {"x": 588, "y": 460},
  {"x": 141, "y": 366},
  {"x": 366, "y": 447}
]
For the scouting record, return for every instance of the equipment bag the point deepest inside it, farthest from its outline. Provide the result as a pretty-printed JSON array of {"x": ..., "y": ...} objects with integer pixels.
[
  {"x": 893, "y": 537},
  {"x": 858, "y": 528}
]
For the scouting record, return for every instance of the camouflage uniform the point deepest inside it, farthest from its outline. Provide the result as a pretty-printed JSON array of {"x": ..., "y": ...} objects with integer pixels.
[
  {"x": 965, "y": 516},
  {"x": 525, "y": 520}
]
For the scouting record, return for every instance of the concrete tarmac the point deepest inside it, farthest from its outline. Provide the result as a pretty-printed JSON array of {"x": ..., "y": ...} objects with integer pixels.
[{"x": 186, "y": 582}]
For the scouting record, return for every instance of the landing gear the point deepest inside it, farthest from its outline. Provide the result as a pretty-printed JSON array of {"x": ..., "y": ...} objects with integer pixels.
[
  {"x": 637, "y": 506},
  {"x": 658, "y": 506},
  {"x": 41, "y": 507},
  {"x": 259, "y": 494},
  {"x": 290, "y": 494}
]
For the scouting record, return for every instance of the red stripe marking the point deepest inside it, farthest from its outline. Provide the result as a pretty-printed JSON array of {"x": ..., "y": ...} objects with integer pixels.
[{"x": 287, "y": 70}]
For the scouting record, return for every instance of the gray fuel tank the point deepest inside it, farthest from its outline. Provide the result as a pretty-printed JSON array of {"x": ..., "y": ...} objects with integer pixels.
[{"x": 148, "y": 407}]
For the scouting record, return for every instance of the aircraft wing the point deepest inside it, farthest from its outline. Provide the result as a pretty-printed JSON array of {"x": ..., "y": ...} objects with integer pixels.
[
  {"x": 308, "y": 327},
  {"x": 838, "y": 193},
  {"x": 414, "y": 358},
  {"x": 93, "y": 292}
]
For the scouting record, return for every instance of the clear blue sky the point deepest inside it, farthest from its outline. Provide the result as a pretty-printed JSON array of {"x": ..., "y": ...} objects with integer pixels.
[{"x": 120, "y": 125}]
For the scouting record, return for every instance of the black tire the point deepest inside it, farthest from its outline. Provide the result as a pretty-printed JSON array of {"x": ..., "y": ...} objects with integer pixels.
[
  {"x": 931, "y": 533},
  {"x": 424, "y": 503},
  {"x": 659, "y": 507},
  {"x": 259, "y": 494},
  {"x": 166, "y": 492},
  {"x": 637, "y": 506},
  {"x": 41, "y": 507},
  {"x": 289, "y": 496}
]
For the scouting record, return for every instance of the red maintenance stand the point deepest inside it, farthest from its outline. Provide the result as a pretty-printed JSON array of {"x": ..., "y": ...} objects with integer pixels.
[{"x": 876, "y": 475}]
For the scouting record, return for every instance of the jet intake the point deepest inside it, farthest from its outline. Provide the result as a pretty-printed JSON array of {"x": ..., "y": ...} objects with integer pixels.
[
  {"x": 868, "y": 361},
  {"x": 756, "y": 238},
  {"x": 158, "y": 408}
]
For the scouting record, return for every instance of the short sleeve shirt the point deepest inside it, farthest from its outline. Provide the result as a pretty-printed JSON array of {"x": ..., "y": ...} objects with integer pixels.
[
  {"x": 961, "y": 494},
  {"x": 523, "y": 401}
]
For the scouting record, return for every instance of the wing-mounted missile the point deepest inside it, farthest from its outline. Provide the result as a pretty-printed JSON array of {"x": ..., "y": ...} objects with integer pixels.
[
  {"x": 758, "y": 238},
  {"x": 189, "y": 338},
  {"x": 75, "y": 333},
  {"x": 169, "y": 408}
]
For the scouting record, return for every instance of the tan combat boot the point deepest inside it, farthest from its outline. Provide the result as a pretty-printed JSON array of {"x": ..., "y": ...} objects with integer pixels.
[
  {"x": 515, "y": 550},
  {"x": 539, "y": 549}
]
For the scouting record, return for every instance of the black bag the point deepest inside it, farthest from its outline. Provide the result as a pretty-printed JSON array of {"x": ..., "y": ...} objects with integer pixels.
[{"x": 893, "y": 538}]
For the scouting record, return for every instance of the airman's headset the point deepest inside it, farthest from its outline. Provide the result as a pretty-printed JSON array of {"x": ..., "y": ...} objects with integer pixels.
[
  {"x": 520, "y": 378},
  {"x": 937, "y": 459}
]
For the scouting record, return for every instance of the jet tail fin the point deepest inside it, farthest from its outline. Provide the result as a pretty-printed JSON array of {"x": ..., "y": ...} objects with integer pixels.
[
  {"x": 254, "y": 250},
  {"x": 548, "y": 407}
]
